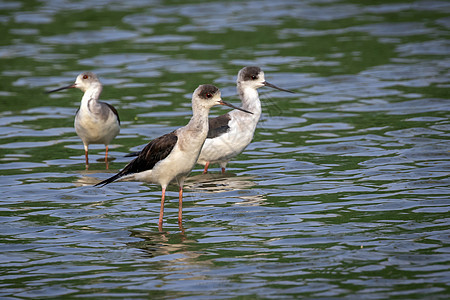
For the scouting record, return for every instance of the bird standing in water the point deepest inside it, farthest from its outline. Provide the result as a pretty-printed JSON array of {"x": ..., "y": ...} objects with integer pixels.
[
  {"x": 171, "y": 157},
  {"x": 96, "y": 122},
  {"x": 231, "y": 133}
]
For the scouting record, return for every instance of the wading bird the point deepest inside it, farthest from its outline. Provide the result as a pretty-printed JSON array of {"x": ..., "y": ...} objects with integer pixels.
[
  {"x": 171, "y": 157},
  {"x": 231, "y": 133},
  {"x": 96, "y": 122}
]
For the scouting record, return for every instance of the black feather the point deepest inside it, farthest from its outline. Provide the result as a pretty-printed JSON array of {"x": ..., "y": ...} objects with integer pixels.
[
  {"x": 249, "y": 72},
  {"x": 155, "y": 151},
  {"x": 110, "y": 179},
  {"x": 132, "y": 154},
  {"x": 114, "y": 110},
  {"x": 218, "y": 126}
]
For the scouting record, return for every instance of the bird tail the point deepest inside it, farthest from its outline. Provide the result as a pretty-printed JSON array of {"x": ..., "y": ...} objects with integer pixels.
[
  {"x": 135, "y": 166},
  {"x": 110, "y": 179},
  {"x": 132, "y": 154}
]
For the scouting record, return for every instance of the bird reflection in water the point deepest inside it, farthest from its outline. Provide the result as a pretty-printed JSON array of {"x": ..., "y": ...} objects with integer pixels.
[
  {"x": 224, "y": 188},
  {"x": 221, "y": 183},
  {"x": 156, "y": 243}
]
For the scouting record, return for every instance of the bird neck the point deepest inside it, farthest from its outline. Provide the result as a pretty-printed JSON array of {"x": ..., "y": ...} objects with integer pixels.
[
  {"x": 250, "y": 100},
  {"x": 91, "y": 94},
  {"x": 195, "y": 132},
  {"x": 199, "y": 120}
]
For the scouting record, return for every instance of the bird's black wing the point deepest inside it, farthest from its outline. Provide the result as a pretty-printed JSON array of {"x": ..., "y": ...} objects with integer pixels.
[
  {"x": 132, "y": 154},
  {"x": 155, "y": 151},
  {"x": 218, "y": 126},
  {"x": 114, "y": 110}
]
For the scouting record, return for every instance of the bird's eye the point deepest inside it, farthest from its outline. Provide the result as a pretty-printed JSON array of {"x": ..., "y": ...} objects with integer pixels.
[
  {"x": 208, "y": 95},
  {"x": 254, "y": 77},
  {"x": 85, "y": 76}
]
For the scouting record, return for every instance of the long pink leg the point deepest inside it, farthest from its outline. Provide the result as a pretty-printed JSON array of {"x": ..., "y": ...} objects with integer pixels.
[
  {"x": 206, "y": 168},
  {"x": 180, "y": 206},
  {"x": 161, "y": 212},
  {"x": 86, "y": 156},
  {"x": 106, "y": 158}
]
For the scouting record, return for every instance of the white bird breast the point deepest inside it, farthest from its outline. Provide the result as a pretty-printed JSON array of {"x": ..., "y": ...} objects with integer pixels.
[{"x": 231, "y": 143}]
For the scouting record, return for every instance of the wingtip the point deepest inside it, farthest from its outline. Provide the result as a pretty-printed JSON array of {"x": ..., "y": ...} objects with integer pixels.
[
  {"x": 100, "y": 184},
  {"x": 132, "y": 154},
  {"x": 109, "y": 180}
]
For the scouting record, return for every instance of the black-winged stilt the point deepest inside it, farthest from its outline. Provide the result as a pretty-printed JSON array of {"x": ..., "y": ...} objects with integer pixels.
[
  {"x": 231, "y": 133},
  {"x": 171, "y": 157},
  {"x": 96, "y": 122}
]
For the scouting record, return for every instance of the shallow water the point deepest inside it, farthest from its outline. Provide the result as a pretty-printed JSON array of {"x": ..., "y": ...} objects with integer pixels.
[{"x": 343, "y": 192}]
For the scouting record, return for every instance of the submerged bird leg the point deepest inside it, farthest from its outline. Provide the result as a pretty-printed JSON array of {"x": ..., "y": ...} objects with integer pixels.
[
  {"x": 86, "y": 156},
  {"x": 223, "y": 165},
  {"x": 161, "y": 212},
  {"x": 180, "y": 226},
  {"x": 180, "y": 205},
  {"x": 106, "y": 154},
  {"x": 106, "y": 158},
  {"x": 206, "y": 168}
]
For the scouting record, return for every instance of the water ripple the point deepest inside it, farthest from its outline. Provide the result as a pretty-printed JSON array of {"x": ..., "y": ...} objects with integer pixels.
[{"x": 343, "y": 191}]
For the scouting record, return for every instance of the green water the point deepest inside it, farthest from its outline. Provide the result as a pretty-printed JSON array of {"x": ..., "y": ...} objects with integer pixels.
[{"x": 343, "y": 192}]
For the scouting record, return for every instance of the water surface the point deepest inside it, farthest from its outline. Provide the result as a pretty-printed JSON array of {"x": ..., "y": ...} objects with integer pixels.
[{"x": 343, "y": 192}]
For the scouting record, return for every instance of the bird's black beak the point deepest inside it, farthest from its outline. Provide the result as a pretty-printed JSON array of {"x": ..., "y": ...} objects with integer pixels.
[
  {"x": 61, "y": 88},
  {"x": 235, "y": 107},
  {"x": 275, "y": 87}
]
